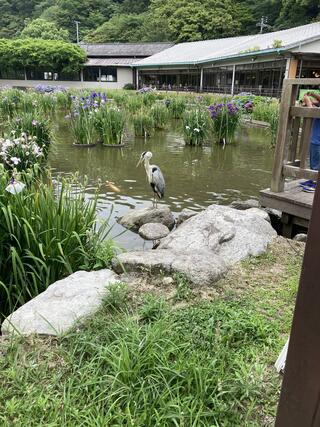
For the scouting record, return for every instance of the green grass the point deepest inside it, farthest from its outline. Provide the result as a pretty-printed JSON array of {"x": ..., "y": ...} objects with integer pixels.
[{"x": 145, "y": 360}]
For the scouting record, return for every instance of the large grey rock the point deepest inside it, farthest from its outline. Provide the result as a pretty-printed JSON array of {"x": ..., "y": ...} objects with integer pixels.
[
  {"x": 205, "y": 246},
  {"x": 184, "y": 215},
  {"x": 153, "y": 231},
  {"x": 200, "y": 268},
  {"x": 138, "y": 217},
  {"x": 301, "y": 237},
  {"x": 245, "y": 204},
  {"x": 261, "y": 212},
  {"x": 59, "y": 307}
]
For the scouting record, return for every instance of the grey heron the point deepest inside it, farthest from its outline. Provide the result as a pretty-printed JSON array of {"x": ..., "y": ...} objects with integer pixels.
[{"x": 154, "y": 176}]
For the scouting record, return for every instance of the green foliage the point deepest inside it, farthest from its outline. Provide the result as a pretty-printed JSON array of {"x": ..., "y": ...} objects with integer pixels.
[
  {"x": 33, "y": 125},
  {"x": 154, "y": 308},
  {"x": 10, "y": 100},
  {"x": 143, "y": 124},
  {"x": 176, "y": 106},
  {"x": 110, "y": 122},
  {"x": 267, "y": 112},
  {"x": 47, "y": 55},
  {"x": 42, "y": 29},
  {"x": 145, "y": 20},
  {"x": 116, "y": 297},
  {"x": 128, "y": 86},
  {"x": 134, "y": 104},
  {"x": 276, "y": 43},
  {"x": 160, "y": 115},
  {"x": 83, "y": 126},
  {"x": 195, "y": 126},
  {"x": 44, "y": 236},
  {"x": 122, "y": 28},
  {"x": 201, "y": 366},
  {"x": 225, "y": 120},
  {"x": 183, "y": 289}
]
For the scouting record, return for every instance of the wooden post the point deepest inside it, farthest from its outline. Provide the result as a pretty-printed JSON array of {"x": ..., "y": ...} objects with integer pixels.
[
  {"x": 299, "y": 404},
  {"x": 288, "y": 100},
  {"x": 292, "y": 69}
]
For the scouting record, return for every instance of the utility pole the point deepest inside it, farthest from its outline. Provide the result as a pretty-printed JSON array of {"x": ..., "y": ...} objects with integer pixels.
[
  {"x": 263, "y": 24},
  {"x": 77, "y": 27}
]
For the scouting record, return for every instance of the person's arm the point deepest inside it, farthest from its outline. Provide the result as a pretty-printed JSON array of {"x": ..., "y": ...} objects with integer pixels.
[
  {"x": 307, "y": 101},
  {"x": 314, "y": 95}
]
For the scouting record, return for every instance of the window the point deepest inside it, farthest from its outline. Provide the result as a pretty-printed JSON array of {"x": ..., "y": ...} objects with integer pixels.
[
  {"x": 39, "y": 75},
  {"x": 12, "y": 74},
  {"x": 108, "y": 74},
  {"x": 91, "y": 74}
]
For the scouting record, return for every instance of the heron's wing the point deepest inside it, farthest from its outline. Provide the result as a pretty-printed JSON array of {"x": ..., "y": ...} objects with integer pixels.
[{"x": 158, "y": 180}]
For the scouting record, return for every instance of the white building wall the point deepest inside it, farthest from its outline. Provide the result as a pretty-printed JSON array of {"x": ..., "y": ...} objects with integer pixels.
[{"x": 124, "y": 76}]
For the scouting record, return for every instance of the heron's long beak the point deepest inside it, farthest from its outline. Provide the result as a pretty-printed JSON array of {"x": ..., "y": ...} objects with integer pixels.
[{"x": 139, "y": 162}]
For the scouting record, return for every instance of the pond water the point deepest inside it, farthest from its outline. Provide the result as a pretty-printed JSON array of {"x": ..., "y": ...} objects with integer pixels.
[{"x": 195, "y": 176}]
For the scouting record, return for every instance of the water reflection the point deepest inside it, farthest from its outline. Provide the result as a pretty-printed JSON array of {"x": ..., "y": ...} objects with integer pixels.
[{"x": 195, "y": 176}]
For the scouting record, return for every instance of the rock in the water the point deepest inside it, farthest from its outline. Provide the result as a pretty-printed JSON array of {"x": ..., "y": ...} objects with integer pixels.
[
  {"x": 243, "y": 205},
  {"x": 205, "y": 246},
  {"x": 58, "y": 308},
  {"x": 260, "y": 212},
  {"x": 138, "y": 217},
  {"x": 153, "y": 231},
  {"x": 301, "y": 237},
  {"x": 184, "y": 215}
]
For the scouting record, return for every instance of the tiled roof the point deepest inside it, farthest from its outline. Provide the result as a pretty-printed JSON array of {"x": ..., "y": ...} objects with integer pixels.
[
  {"x": 124, "y": 49},
  {"x": 105, "y": 62},
  {"x": 214, "y": 50}
]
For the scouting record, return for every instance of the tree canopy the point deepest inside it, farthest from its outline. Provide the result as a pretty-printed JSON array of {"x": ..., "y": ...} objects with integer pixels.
[
  {"x": 40, "y": 54},
  {"x": 42, "y": 29},
  {"x": 150, "y": 20}
]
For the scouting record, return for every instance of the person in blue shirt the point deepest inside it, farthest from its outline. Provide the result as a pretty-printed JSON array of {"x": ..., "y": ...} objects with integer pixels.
[{"x": 312, "y": 99}]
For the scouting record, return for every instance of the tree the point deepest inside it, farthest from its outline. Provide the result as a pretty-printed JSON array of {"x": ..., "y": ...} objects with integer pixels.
[
  {"x": 90, "y": 13},
  {"x": 297, "y": 12},
  {"x": 120, "y": 28},
  {"x": 42, "y": 29},
  {"x": 37, "y": 54},
  {"x": 189, "y": 20},
  {"x": 13, "y": 14}
]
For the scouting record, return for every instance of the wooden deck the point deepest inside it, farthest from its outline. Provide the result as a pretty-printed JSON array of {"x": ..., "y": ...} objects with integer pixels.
[{"x": 294, "y": 203}]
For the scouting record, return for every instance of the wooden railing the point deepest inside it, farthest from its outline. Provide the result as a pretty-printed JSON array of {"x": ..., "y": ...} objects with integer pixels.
[{"x": 294, "y": 133}]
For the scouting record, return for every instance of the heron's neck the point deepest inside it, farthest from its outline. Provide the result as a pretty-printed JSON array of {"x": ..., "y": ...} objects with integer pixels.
[{"x": 147, "y": 166}]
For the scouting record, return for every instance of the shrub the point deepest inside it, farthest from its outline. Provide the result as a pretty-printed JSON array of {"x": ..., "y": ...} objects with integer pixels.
[
  {"x": 226, "y": 119},
  {"x": 176, "y": 106},
  {"x": 160, "y": 115},
  {"x": 110, "y": 123},
  {"x": 83, "y": 126},
  {"x": 128, "y": 86},
  {"x": 269, "y": 113},
  {"x": 33, "y": 125},
  {"x": 21, "y": 153},
  {"x": 143, "y": 124},
  {"x": 195, "y": 126},
  {"x": 134, "y": 104},
  {"x": 44, "y": 236},
  {"x": 47, "y": 103},
  {"x": 10, "y": 100}
]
